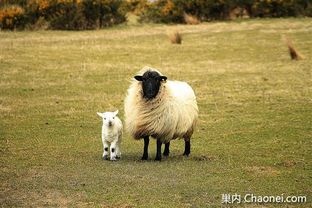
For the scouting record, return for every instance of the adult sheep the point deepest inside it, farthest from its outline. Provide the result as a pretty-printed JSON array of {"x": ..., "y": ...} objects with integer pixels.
[{"x": 162, "y": 109}]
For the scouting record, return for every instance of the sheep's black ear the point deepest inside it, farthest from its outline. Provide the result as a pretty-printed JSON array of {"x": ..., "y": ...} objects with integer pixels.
[
  {"x": 163, "y": 78},
  {"x": 139, "y": 78}
]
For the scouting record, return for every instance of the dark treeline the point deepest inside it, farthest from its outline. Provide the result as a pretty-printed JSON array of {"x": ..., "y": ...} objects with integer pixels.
[{"x": 95, "y": 14}]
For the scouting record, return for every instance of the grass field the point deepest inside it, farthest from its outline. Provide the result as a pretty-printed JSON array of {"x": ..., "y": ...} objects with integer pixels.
[{"x": 255, "y": 123}]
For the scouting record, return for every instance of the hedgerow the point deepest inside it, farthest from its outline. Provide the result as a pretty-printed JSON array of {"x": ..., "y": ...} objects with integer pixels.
[
  {"x": 62, "y": 14},
  {"x": 172, "y": 11}
]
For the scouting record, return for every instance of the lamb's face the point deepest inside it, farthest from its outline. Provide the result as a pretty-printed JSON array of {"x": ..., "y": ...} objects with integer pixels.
[
  {"x": 108, "y": 118},
  {"x": 151, "y": 81}
]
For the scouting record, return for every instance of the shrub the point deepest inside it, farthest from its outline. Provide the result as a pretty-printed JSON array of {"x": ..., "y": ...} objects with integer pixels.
[
  {"x": 38, "y": 8},
  {"x": 66, "y": 14},
  {"x": 12, "y": 17},
  {"x": 171, "y": 11},
  {"x": 103, "y": 13},
  {"x": 136, "y": 6},
  {"x": 40, "y": 24},
  {"x": 21, "y": 3},
  {"x": 174, "y": 10},
  {"x": 162, "y": 11},
  {"x": 87, "y": 14}
]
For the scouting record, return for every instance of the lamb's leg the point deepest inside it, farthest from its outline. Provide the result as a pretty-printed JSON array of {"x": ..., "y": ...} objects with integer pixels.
[
  {"x": 166, "y": 151},
  {"x": 158, "y": 153},
  {"x": 145, "y": 153},
  {"x": 113, "y": 151},
  {"x": 187, "y": 149},
  {"x": 118, "y": 153},
  {"x": 105, "y": 148}
]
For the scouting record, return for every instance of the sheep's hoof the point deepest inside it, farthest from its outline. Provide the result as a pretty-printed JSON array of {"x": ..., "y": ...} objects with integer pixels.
[
  {"x": 186, "y": 154},
  {"x": 118, "y": 157},
  {"x": 105, "y": 157},
  {"x": 144, "y": 157},
  {"x": 158, "y": 159},
  {"x": 166, "y": 154},
  {"x": 113, "y": 159}
]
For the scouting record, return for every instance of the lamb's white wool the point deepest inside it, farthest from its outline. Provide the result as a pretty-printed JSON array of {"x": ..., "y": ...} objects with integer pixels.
[
  {"x": 111, "y": 134},
  {"x": 171, "y": 114}
]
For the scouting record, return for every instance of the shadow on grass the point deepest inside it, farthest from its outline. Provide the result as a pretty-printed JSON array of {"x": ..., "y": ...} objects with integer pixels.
[{"x": 174, "y": 158}]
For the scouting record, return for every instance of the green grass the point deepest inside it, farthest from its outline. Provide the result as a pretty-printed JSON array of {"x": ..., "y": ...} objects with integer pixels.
[{"x": 255, "y": 122}]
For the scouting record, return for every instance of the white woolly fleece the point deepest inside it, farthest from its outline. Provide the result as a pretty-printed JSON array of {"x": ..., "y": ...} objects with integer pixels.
[
  {"x": 111, "y": 134},
  {"x": 171, "y": 114}
]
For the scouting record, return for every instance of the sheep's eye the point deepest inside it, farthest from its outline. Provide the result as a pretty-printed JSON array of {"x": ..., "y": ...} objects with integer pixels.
[
  {"x": 113, "y": 117},
  {"x": 104, "y": 118}
]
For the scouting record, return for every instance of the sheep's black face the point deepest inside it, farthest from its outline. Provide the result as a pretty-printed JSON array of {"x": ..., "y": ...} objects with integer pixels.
[{"x": 151, "y": 81}]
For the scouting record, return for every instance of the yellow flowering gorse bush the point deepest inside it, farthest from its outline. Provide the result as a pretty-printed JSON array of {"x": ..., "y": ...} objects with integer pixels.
[{"x": 11, "y": 16}]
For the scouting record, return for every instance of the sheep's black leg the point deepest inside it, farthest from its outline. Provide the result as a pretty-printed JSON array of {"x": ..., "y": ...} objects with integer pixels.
[
  {"x": 145, "y": 153},
  {"x": 158, "y": 153},
  {"x": 187, "y": 149},
  {"x": 166, "y": 151}
]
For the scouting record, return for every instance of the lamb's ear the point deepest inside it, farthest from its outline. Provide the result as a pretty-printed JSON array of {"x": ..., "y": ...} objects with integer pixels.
[
  {"x": 100, "y": 114},
  {"x": 116, "y": 112},
  {"x": 138, "y": 78},
  {"x": 163, "y": 78}
]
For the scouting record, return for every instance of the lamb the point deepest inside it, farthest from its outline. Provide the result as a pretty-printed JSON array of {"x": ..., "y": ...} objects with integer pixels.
[
  {"x": 111, "y": 134},
  {"x": 164, "y": 110}
]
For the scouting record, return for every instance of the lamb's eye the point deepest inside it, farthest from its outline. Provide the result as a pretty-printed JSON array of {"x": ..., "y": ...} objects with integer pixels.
[
  {"x": 104, "y": 118},
  {"x": 113, "y": 117}
]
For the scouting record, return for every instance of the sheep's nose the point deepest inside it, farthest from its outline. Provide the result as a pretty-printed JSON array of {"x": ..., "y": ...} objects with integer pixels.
[{"x": 110, "y": 123}]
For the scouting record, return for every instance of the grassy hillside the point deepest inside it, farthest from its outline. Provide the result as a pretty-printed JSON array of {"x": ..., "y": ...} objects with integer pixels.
[{"x": 254, "y": 132}]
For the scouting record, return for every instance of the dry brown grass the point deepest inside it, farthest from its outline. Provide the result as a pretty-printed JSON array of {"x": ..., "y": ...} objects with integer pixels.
[
  {"x": 293, "y": 52},
  {"x": 263, "y": 170},
  {"x": 175, "y": 37},
  {"x": 190, "y": 19}
]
